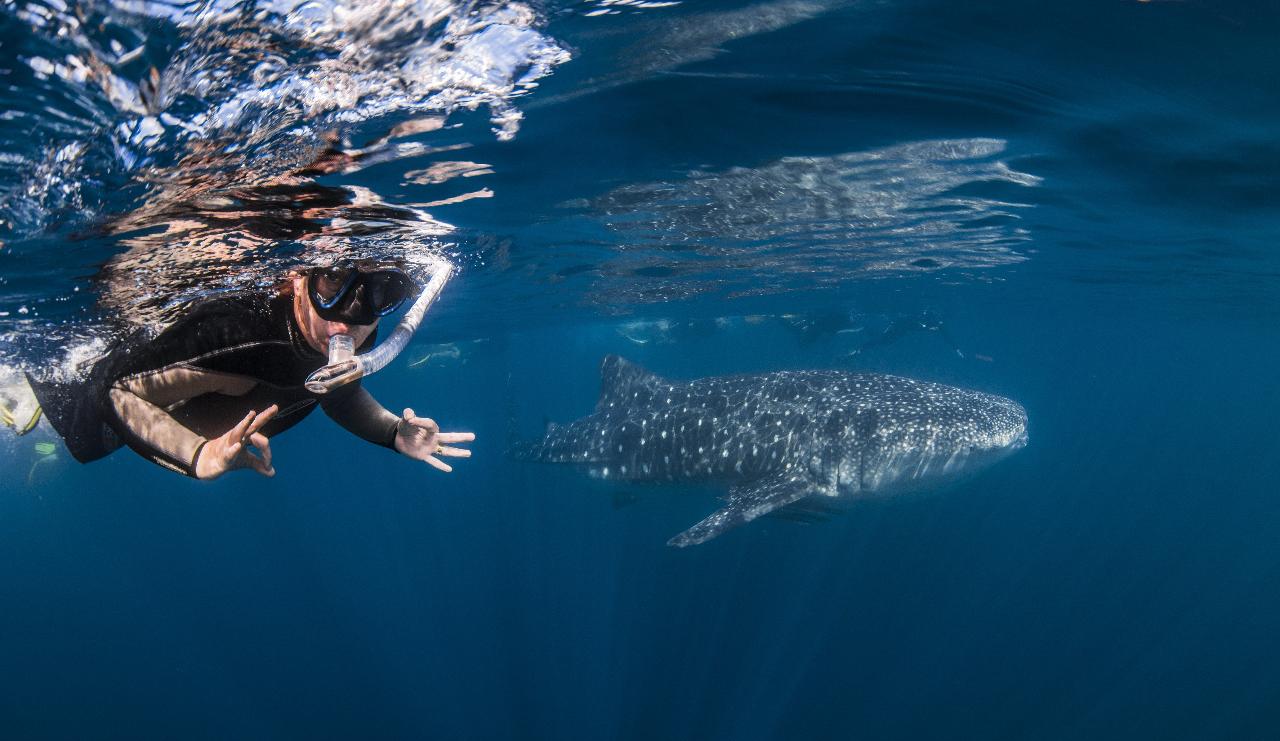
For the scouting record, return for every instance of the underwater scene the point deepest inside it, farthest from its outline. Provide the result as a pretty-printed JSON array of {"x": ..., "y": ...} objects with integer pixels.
[{"x": 684, "y": 369}]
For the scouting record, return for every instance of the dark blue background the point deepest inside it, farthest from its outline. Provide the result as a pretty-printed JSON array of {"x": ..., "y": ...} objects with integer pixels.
[{"x": 1119, "y": 578}]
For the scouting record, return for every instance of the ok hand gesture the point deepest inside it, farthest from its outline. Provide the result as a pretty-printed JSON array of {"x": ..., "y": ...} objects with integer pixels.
[{"x": 231, "y": 450}]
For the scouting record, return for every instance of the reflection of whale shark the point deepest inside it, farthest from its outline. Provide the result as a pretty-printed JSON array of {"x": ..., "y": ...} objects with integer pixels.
[
  {"x": 925, "y": 321},
  {"x": 780, "y": 437},
  {"x": 813, "y": 222},
  {"x": 669, "y": 331}
]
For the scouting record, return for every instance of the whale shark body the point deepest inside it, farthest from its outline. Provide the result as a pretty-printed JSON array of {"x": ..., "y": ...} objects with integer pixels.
[{"x": 777, "y": 438}]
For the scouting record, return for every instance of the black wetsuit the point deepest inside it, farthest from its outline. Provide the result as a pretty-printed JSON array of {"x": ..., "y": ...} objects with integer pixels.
[{"x": 166, "y": 396}]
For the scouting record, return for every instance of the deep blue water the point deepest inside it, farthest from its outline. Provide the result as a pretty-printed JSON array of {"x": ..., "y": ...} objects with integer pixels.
[{"x": 1083, "y": 193}]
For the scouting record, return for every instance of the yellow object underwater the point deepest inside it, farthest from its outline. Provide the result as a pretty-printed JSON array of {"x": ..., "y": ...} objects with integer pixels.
[
  {"x": 31, "y": 423},
  {"x": 7, "y": 419},
  {"x": 46, "y": 453}
]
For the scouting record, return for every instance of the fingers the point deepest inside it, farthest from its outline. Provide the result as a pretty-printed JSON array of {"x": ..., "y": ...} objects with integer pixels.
[
  {"x": 263, "y": 444},
  {"x": 262, "y": 465},
  {"x": 252, "y": 422},
  {"x": 455, "y": 452},
  {"x": 424, "y": 423},
  {"x": 456, "y": 437},
  {"x": 437, "y": 463},
  {"x": 242, "y": 427},
  {"x": 261, "y": 420},
  {"x": 258, "y": 464}
]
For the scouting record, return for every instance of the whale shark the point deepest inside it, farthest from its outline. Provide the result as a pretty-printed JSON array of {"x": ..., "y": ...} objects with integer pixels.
[{"x": 777, "y": 438}]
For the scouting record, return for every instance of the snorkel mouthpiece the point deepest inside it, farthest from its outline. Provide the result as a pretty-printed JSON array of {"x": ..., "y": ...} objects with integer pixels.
[
  {"x": 342, "y": 347},
  {"x": 341, "y": 369},
  {"x": 345, "y": 366}
]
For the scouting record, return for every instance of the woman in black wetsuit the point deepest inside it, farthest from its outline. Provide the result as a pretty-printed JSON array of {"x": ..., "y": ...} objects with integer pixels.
[{"x": 228, "y": 376}]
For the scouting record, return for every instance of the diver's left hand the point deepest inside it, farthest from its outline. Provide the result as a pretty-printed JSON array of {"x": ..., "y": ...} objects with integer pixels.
[{"x": 421, "y": 439}]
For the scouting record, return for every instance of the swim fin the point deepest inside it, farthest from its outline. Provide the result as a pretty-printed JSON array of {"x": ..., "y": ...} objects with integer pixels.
[
  {"x": 31, "y": 423},
  {"x": 13, "y": 414}
]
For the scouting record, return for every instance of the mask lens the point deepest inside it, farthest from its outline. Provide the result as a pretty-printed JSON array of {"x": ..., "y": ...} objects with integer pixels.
[
  {"x": 386, "y": 290},
  {"x": 328, "y": 284}
]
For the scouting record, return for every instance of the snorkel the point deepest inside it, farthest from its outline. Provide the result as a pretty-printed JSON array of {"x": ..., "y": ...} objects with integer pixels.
[{"x": 345, "y": 366}]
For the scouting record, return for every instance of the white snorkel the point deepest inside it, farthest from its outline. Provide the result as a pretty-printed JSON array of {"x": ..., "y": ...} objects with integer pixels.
[{"x": 345, "y": 366}]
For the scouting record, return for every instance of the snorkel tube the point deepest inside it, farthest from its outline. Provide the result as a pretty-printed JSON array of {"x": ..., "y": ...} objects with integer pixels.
[{"x": 345, "y": 366}]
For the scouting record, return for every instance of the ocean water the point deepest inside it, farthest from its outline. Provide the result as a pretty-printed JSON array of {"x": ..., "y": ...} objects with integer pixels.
[{"x": 1081, "y": 194}]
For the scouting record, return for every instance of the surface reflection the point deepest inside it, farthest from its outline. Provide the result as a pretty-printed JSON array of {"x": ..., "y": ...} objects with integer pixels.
[{"x": 804, "y": 222}]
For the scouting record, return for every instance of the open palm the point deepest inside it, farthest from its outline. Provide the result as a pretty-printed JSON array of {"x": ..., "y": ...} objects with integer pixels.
[{"x": 420, "y": 438}]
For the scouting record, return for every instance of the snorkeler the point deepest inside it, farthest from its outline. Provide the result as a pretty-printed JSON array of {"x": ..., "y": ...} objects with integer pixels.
[{"x": 229, "y": 375}]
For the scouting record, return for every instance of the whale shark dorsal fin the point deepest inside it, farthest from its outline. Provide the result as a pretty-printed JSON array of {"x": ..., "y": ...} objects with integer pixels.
[
  {"x": 746, "y": 502},
  {"x": 622, "y": 380}
]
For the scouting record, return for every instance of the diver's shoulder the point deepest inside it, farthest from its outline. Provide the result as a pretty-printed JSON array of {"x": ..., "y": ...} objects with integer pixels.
[
  {"x": 230, "y": 318},
  {"x": 241, "y": 303},
  {"x": 238, "y": 309}
]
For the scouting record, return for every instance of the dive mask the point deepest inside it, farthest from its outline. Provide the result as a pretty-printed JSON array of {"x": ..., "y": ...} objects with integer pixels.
[{"x": 358, "y": 293}]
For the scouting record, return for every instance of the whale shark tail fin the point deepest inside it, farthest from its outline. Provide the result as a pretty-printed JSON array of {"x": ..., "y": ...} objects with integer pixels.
[
  {"x": 561, "y": 444},
  {"x": 624, "y": 381},
  {"x": 550, "y": 448},
  {"x": 524, "y": 450},
  {"x": 746, "y": 502}
]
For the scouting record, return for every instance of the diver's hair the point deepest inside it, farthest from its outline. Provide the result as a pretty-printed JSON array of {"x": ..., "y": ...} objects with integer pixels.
[{"x": 284, "y": 286}]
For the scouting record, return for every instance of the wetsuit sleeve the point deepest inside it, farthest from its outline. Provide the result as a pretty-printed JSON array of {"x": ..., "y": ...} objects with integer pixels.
[{"x": 361, "y": 414}]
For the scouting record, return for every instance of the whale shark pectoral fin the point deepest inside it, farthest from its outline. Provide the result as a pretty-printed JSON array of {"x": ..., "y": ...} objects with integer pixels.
[{"x": 746, "y": 503}]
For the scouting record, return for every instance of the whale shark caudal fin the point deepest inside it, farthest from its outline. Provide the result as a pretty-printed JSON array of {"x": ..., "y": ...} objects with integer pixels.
[
  {"x": 621, "y": 380},
  {"x": 557, "y": 445},
  {"x": 746, "y": 503}
]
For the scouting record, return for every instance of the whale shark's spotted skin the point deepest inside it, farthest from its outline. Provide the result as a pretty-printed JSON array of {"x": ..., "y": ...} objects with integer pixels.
[{"x": 780, "y": 437}]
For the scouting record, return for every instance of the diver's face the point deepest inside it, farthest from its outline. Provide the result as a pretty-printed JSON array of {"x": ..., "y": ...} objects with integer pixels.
[{"x": 318, "y": 330}]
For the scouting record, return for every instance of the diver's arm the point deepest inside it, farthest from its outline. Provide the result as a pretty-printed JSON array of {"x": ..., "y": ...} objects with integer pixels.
[
  {"x": 361, "y": 414},
  {"x": 155, "y": 435},
  {"x": 151, "y": 432},
  {"x": 140, "y": 403}
]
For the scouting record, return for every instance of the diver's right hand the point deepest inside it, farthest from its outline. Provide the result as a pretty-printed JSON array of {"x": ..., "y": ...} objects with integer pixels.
[{"x": 231, "y": 451}]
